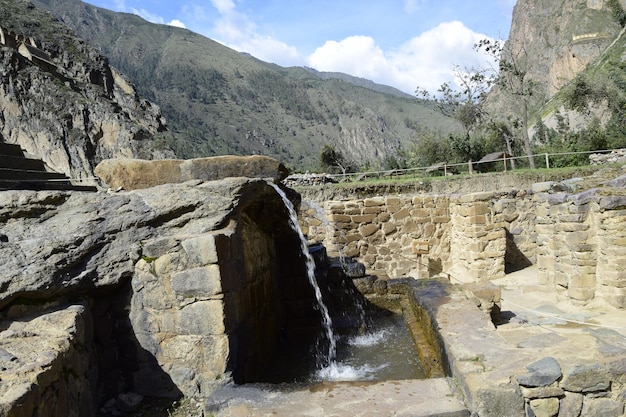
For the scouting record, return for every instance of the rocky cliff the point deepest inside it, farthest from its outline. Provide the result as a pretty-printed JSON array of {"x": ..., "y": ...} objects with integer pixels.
[
  {"x": 553, "y": 42},
  {"x": 63, "y": 103},
  {"x": 560, "y": 38}
]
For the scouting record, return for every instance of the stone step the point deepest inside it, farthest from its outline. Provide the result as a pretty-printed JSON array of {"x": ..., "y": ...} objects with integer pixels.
[
  {"x": 16, "y": 162},
  {"x": 43, "y": 185},
  {"x": 29, "y": 175},
  {"x": 9, "y": 149}
]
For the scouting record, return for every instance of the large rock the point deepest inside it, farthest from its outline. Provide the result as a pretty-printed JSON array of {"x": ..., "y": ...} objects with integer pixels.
[
  {"x": 133, "y": 174},
  {"x": 165, "y": 280},
  {"x": 55, "y": 242}
]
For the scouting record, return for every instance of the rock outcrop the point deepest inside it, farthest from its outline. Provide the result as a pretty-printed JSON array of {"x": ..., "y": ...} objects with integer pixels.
[
  {"x": 149, "y": 292},
  {"x": 73, "y": 109},
  {"x": 559, "y": 38},
  {"x": 133, "y": 174}
]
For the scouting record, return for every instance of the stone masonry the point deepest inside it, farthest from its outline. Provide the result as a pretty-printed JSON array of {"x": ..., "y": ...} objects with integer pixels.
[
  {"x": 576, "y": 238},
  {"x": 471, "y": 237}
]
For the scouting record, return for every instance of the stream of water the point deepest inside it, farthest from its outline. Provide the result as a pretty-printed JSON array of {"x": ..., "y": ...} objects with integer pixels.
[
  {"x": 310, "y": 266},
  {"x": 384, "y": 351}
]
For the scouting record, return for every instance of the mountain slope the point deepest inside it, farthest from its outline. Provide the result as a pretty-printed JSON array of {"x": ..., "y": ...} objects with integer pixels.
[
  {"x": 218, "y": 101},
  {"x": 62, "y": 102},
  {"x": 564, "y": 45}
]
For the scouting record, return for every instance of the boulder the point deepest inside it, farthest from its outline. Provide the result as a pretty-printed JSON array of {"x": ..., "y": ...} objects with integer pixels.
[{"x": 133, "y": 174}]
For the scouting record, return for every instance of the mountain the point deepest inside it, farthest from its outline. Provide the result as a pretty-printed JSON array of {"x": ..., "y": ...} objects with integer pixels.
[
  {"x": 63, "y": 103},
  {"x": 218, "y": 101},
  {"x": 573, "y": 54}
]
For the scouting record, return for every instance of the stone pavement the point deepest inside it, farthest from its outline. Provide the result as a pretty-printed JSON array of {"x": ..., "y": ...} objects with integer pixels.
[
  {"x": 537, "y": 328},
  {"x": 408, "y": 398},
  {"x": 545, "y": 357},
  {"x": 538, "y": 318}
]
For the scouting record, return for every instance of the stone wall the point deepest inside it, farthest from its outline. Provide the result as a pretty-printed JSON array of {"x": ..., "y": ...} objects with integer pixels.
[
  {"x": 576, "y": 239},
  {"x": 45, "y": 361},
  {"x": 177, "y": 288},
  {"x": 471, "y": 237},
  {"x": 212, "y": 306},
  {"x": 580, "y": 245}
]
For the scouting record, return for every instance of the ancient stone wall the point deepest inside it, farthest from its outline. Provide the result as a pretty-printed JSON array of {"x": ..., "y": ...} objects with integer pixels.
[
  {"x": 580, "y": 246},
  {"x": 576, "y": 240},
  {"x": 381, "y": 232},
  {"x": 472, "y": 237}
]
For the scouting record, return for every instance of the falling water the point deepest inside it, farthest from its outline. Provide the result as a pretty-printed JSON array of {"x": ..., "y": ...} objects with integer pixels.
[
  {"x": 310, "y": 266},
  {"x": 358, "y": 302}
]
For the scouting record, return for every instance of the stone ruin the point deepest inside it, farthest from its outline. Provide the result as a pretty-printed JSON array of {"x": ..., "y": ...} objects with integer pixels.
[
  {"x": 576, "y": 239},
  {"x": 180, "y": 288}
]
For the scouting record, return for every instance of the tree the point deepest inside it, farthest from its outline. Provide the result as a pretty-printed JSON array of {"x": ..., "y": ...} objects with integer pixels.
[
  {"x": 330, "y": 157},
  {"x": 513, "y": 79},
  {"x": 464, "y": 104}
]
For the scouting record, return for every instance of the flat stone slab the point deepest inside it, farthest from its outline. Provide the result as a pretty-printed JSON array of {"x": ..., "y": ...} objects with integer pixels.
[{"x": 406, "y": 398}]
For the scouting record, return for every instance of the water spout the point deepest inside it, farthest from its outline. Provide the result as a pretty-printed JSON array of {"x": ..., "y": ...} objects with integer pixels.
[{"x": 310, "y": 266}]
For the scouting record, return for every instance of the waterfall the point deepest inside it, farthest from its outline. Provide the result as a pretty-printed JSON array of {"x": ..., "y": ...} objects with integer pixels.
[{"x": 310, "y": 266}]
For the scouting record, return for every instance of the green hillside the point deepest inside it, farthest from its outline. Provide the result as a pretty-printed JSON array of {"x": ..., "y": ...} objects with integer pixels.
[{"x": 218, "y": 101}]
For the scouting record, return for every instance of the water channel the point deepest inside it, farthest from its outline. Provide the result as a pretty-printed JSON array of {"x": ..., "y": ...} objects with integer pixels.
[{"x": 378, "y": 348}]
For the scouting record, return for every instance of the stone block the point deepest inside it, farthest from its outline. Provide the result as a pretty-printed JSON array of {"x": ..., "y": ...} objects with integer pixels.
[
  {"x": 616, "y": 297},
  {"x": 363, "y": 218},
  {"x": 374, "y": 202},
  {"x": 476, "y": 209},
  {"x": 166, "y": 264},
  {"x": 581, "y": 294},
  {"x": 473, "y": 197},
  {"x": 393, "y": 201},
  {"x": 401, "y": 214},
  {"x": 368, "y": 229},
  {"x": 388, "y": 228},
  {"x": 383, "y": 217},
  {"x": 602, "y": 407},
  {"x": 542, "y": 187},
  {"x": 372, "y": 210},
  {"x": 582, "y": 280},
  {"x": 545, "y": 407},
  {"x": 197, "y": 282},
  {"x": 571, "y": 404},
  {"x": 419, "y": 212},
  {"x": 339, "y": 218},
  {"x": 613, "y": 202},
  {"x": 201, "y": 318},
  {"x": 159, "y": 247},
  {"x": 201, "y": 250},
  {"x": 586, "y": 377},
  {"x": 542, "y": 373},
  {"x": 542, "y": 392}
]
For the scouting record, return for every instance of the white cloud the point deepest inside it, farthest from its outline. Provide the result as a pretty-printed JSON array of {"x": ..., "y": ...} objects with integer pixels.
[
  {"x": 177, "y": 23},
  {"x": 239, "y": 32},
  {"x": 150, "y": 17},
  {"x": 426, "y": 61},
  {"x": 223, "y": 6}
]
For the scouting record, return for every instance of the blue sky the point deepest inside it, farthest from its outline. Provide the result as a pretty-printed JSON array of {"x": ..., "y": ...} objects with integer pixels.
[{"x": 402, "y": 43}]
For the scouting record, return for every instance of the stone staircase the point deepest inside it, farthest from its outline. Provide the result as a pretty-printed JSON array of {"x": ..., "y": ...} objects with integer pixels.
[{"x": 17, "y": 172}]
